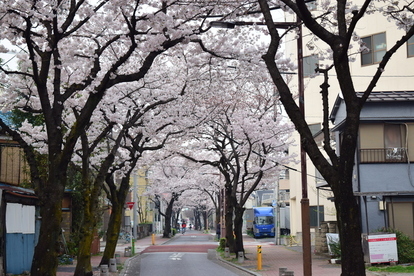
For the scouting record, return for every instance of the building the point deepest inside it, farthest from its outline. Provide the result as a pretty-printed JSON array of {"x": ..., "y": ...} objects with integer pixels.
[
  {"x": 383, "y": 180},
  {"x": 19, "y": 214},
  {"x": 379, "y": 35},
  {"x": 19, "y": 228}
]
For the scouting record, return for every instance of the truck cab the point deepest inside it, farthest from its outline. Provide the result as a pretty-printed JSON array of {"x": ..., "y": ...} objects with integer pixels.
[{"x": 263, "y": 223}]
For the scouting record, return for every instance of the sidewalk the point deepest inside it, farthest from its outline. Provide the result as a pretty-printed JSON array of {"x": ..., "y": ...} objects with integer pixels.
[
  {"x": 273, "y": 258},
  {"x": 280, "y": 256}
]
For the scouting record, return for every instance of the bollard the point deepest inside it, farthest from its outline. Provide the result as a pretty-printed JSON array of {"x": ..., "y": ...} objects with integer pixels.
[
  {"x": 127, "y": 252},
  {"x": 112, "y": 265},
  {"x": 104, "y": 270},
  {"x": 282, "y": 270},
  {"x": 240, "y": 257},
  {"x": 259, "y": 257},
  {"x": 153, "y": 239},
  {"x": 118, "y": 258},
  {"x": 288, "y": 273},
  {"x": 226, "y": 252},
  {"x": 133, "y": 247}
]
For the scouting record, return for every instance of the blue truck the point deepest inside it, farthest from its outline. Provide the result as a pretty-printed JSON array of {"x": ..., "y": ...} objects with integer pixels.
[{"x": 263, "y": 222}]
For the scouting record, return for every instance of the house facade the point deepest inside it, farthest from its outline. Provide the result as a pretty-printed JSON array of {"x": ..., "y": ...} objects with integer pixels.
[{"x": 383, "y": 175}]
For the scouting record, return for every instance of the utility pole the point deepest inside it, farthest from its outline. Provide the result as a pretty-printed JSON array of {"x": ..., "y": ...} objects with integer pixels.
[
  {"x": 306, "y": 242},
  {"x": 135, "y": 208}
]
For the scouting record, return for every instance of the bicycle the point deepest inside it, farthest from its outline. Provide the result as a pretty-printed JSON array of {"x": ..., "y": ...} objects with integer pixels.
[{"x": 125, "y": 236}]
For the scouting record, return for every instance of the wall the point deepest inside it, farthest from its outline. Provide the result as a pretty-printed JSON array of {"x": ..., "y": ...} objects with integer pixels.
[{"x": 321, "y": 245}]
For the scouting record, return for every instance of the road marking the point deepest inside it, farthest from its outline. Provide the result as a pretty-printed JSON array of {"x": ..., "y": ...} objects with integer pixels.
[{"x": 176, "y": 256}]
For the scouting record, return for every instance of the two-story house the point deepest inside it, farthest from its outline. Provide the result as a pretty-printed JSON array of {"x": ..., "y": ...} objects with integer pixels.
[{"x": 383, "y": 176}]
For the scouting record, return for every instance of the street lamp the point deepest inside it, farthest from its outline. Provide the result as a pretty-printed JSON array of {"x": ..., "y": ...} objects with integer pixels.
[{"x": 306, "y": 241}]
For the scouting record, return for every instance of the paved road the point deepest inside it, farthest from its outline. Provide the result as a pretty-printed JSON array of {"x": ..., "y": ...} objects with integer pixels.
[{"x": 185, "y": 255}]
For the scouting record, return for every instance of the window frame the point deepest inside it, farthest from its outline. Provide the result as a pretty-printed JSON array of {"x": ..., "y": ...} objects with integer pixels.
[
  {"x": 373, "y": 51},
  {"x": 307, "y": 66},
  {"x": 410, "y": 44}
]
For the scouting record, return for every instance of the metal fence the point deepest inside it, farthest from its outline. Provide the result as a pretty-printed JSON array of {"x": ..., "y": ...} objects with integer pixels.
[{"x": 384, "y": 155}]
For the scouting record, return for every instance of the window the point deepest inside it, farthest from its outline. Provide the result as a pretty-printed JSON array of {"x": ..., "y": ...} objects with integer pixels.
[
  {"x": 393, "y": 142},
  {"x": 316, "y": 215},
  {"x": 410, "y": 47},
  {"x": 264, "y": 220},
  {"x": 284, "y": 174},
  {"x": 315, "y": 128},
  {"x": 311, "y": 5},
  {"x": 319, "y": 178},
  {"x": 377, "y": 47},
  {"x": 392, "y": 136},
  {"x": 310, "y": 63},
  {"x": 383, "y": 143}
]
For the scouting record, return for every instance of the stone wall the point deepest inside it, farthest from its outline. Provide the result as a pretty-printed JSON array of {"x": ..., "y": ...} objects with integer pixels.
[{"x": 320, "y": 236}]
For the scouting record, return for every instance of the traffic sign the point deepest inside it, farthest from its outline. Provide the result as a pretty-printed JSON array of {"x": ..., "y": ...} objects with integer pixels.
[{"x": 130, "y": 205}]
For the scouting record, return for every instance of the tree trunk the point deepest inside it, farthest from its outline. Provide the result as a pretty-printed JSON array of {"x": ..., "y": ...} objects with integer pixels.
[
  {"x": 228, "y": 217},
  {"x": 90, "y": 220},
  {"x": 50, "y": 229},
  {"x": 238, "y": 226},
  {"x": 197, "y": 220},
  {"x": 83, "y": 265},
  {"x": 50, "y": 196},
  {"x": 205, "y": 216},
  {"x": 112, "y": 233},
  {"x": 348, "y": 217},
  {"x": 168, "y": 213}
]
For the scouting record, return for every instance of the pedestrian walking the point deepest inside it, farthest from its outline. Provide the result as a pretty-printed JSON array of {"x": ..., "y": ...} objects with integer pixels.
[{"x": 183, "y": 226}]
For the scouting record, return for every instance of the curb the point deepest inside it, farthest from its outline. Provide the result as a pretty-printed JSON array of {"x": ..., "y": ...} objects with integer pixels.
[
  {"x": 235, "y": 265},
  {"x": 126, "y": 264}
]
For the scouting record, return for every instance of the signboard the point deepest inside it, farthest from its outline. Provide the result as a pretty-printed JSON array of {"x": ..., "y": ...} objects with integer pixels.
[
  {"x": 130, "y": 205},
  {"x": 382, "y": 248}
]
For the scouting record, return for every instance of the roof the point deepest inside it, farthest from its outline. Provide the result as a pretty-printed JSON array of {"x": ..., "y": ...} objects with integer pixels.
[
  {"x": 6, "y": 118},
  {"x": 377, "y": 96},
  {"x": 16, "y": 190},
  {"x": 389, "y": 96}
]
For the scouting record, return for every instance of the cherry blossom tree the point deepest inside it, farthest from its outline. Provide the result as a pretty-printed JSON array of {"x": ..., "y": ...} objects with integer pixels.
[
  {"x": 133, "y": 121},
  {"x": 245, "y": 138},
  {"x": 72, "y": 54},
  {"x": 337, "y": 170},
  {"x": 170, "y": 178},
  {"x": 203, "y": 206},
  {"x": 335, "y": 27}
]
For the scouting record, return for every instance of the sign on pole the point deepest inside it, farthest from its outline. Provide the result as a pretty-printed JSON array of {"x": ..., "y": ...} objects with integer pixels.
[{"x": 130, "y": 205}]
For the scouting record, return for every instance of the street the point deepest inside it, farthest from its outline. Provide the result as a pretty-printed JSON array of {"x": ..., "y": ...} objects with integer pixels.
[{"x": 185, "y": 255}]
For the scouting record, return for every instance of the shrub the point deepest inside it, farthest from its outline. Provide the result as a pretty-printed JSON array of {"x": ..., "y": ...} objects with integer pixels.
[
  {"x": 222, "y": 244},
  {"x": 335, "y": 249}
]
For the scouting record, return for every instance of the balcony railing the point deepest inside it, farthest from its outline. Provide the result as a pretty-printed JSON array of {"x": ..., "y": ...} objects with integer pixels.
[{"x": 384, "y": 155}]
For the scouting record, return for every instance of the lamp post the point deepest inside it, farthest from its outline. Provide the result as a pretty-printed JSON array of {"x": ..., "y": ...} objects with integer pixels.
[{"x": 306, "y": 241}]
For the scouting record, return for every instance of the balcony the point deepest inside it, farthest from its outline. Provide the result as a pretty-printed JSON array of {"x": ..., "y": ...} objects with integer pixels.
[{"x": 384, "y": 155}]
